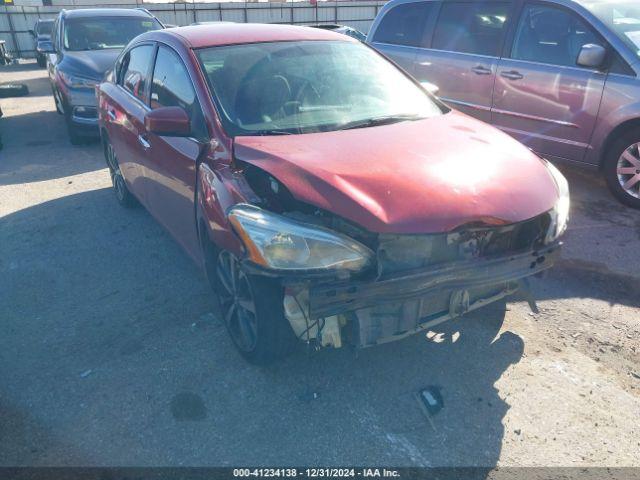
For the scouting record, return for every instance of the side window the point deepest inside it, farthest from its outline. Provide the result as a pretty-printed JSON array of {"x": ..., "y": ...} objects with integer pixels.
[
  {"x": 404, "y": 24},
  {"x": 172, "y": 87},
  {"x": 134, "y": 70},
  {"x": 620, "y": 66},
  {"x": 470, "y": 27},
  {"x": 551, "y": 35}
]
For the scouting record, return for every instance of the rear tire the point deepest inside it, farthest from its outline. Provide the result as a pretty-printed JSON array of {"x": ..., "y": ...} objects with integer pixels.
[
  {"x": 622, "y": 168},
  {"x": 123, "y": 195},
  {"x": 253, "y": 312}
]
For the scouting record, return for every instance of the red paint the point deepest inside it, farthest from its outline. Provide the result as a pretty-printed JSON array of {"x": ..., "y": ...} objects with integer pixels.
[
  {"x": 430, "y": 175},
  {"x": 200, "y": 36}
]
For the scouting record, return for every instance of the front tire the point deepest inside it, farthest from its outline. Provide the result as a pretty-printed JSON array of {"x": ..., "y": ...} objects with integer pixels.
[
  {"x": 74, "y": 135},
  {"x": 622, "y": 169},
  {"x": 252, "y": 307}
]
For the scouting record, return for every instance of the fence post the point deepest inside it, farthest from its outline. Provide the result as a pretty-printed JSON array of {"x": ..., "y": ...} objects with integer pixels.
[{"x": 12, "y": 30}]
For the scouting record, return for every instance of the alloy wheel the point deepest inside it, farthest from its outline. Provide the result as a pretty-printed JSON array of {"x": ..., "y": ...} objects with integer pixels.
[
  {"x": 116, "y": 175},
  {"x": 628, "y": 170},
  {"x": 237, "y": 302}
]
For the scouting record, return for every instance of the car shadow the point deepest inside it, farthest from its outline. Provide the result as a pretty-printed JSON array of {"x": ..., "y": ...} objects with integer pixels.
[{"x": 103, "y": 309}]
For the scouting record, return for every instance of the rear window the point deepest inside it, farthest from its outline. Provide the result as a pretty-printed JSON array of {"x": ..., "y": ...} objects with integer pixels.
[
  {"x": 404, "y": 24},
  {"x": 471, "y": 27}
]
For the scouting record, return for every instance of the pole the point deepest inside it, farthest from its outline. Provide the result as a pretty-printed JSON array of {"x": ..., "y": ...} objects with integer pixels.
[{"x": 14, "y": 37}]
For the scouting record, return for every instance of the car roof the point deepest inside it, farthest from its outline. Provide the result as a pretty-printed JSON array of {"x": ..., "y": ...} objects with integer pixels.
[
  {"x": 200, "y": 36},
  {"x": 106, "y": 12}
]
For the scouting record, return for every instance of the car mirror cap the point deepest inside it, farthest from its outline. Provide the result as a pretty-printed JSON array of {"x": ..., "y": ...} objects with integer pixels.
[
  {"x": 592, "y": 56},
  {"x": 168, "y": 121}
]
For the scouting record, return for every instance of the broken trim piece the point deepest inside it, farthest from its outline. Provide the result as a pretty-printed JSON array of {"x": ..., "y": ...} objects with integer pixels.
[{"x": 326, "y": 300}]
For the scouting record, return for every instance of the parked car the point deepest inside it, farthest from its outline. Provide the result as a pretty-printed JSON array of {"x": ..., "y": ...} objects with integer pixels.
[
  {"x": 561, "y": 76},
  {"x": 41, "y": 33},
  {"x": 343, "y": 29},
  {"x": 85, "y": 45},
  {"x": 325, "y": 193}
]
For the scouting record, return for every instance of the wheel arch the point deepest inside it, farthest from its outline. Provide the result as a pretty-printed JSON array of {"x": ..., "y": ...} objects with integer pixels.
[{"x": 614, "y": 135}]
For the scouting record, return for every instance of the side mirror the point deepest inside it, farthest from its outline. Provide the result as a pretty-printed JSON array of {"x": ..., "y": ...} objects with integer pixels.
[
  {"x": 592, "y": 56},
  {"x": 168, "y": 121},
  {"x": 432, "y": 88}
]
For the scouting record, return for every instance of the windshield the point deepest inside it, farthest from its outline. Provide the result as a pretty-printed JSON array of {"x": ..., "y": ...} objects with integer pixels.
[
  {"x": 623, "y": 17},
  {"x": 310, "y": 86},
  {"x": 100, "y": 33},
  {"x": 44, "y": 28}
]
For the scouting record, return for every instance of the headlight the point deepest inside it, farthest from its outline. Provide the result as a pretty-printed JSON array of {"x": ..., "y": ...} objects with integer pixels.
[
  {"x": 75, "y": 81},
  {"x": 560, "y": 211},
  {"x": 277, "y": 242}
]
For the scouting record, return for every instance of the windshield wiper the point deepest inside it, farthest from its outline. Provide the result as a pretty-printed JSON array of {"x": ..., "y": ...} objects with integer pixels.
[
  {"x": 269, "y": 132},
  {"x": 376, "y": 121}
]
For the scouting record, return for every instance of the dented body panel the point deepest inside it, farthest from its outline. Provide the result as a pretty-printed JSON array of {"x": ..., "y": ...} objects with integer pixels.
[{"x": 425, "y": 176}]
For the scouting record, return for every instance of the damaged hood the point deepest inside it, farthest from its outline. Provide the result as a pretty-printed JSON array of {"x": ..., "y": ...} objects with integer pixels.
[{"x": 424, "y": 176}]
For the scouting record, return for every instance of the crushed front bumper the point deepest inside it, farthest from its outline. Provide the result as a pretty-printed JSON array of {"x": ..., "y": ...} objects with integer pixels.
[{"x": 393, "y": 307}]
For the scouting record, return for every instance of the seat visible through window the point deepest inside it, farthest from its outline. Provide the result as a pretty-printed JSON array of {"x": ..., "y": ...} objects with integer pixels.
[{"x": 551, "y": 35}]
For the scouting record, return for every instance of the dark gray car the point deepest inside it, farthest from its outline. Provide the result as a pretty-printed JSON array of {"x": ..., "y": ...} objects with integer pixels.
[{"x": 85, "y": 44}]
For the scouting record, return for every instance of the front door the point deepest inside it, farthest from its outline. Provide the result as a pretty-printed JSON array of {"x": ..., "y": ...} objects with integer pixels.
[
  {"x": 542, "y": 97},
  {"x": 171, "y": 162},
  {"x": 463, "y": 55}
]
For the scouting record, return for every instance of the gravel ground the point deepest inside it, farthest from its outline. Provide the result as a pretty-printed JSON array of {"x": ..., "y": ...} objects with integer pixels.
[{"x": 111, "y": 351}]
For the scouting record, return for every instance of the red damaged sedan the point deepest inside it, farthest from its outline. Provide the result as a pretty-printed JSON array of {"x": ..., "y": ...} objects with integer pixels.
[{"x": 326, "y": 194}]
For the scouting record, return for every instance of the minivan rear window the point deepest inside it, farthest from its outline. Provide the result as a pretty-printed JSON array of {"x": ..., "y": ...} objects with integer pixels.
[
  {"x": 470, "y": 27},
  {"x": 404, "y": 24}
]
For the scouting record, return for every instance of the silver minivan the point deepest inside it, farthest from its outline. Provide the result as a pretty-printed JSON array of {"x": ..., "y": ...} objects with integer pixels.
[{"x": 561, "y": 76}]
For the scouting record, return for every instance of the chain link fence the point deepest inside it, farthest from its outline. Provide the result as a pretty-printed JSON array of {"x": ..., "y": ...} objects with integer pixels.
[{"x": 16, "y": 21}]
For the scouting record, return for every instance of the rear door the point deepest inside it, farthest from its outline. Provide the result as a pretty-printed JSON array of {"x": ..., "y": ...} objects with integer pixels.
[
  {"x": 401, "y": 30},
  {"x": 463, "y": 53},
  {"x": 171, "y": 161},
  {"x": 125, "y": 108},
  {"x": 542, "y": 97}
]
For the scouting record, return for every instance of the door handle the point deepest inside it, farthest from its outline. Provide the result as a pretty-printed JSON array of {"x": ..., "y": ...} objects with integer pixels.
[
  {"x": 112, "y": 115},
  {"x": 512, "y": 75},
  {"x": 143, "y": 141},
  {"x": 480, "y": 70}
]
